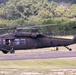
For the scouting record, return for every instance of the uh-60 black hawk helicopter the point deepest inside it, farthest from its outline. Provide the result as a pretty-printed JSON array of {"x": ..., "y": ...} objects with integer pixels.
[{"x": 30, "y": 40}]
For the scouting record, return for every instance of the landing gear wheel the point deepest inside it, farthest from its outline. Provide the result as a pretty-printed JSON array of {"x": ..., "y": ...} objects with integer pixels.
[
  {"x": 57, "y": 49},
  {"x": 70, "y": 49},
  {"x": 12, "y": 52},
  {"x": 5, "y": 52}
]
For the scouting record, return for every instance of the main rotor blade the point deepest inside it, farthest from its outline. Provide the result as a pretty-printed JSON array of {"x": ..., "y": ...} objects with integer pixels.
[
  {"x": 37, "y": 26},
  {"x": 46, "y": 25},
  {"x": 3, "y": 28},
  {"x": 28, "y": 27},
  {"x": 8, "y": 28}
]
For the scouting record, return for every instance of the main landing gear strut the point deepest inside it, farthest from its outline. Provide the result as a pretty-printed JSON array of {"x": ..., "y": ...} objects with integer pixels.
[
  {"x": 12, "y": 51},
  {"x": 5, "y": 51}
]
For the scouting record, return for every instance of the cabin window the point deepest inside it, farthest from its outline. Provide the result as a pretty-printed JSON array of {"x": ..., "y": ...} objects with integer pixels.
[
  {"x": 4, "y": 42},
  {"x": 17, "y": 41},
  {"x": 8, "y": 42},
  {"x": 0, "y": 41},
  {"x": 23, "y": 41}
]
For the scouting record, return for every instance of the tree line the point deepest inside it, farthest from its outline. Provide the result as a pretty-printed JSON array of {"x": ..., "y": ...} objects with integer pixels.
[{"x": 38, "y": 12}]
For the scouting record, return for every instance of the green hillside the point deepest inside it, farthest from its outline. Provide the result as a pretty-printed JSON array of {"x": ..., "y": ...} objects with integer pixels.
[
  {"x": 70, "y": 1},
  {"x": 36, "y": 12}
]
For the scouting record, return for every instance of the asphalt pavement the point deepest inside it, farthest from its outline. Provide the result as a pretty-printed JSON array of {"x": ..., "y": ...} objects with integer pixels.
[{"x": 42, "y": 55}]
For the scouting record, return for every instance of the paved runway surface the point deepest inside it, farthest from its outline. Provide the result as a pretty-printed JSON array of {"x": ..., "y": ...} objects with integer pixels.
[{"x": 43, "y": 55}]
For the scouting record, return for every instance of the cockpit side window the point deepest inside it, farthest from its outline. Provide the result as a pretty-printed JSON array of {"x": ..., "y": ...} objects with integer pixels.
[
  {"x": 22, "y": 41},
  {"x": 17, "y": 41}
]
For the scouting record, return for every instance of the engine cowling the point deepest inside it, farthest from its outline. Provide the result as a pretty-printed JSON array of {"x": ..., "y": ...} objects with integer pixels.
[
  {"x": 33, "y": 35},
  {"x": 28, "y": 34}
]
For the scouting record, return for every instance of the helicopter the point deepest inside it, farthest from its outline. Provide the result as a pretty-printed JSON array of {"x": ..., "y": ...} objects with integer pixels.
[{"x": 10, "y": 42}]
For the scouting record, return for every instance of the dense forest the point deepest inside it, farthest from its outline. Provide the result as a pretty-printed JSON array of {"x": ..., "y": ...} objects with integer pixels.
[
  {"x": 37, "y": 12},
  {"x": 67, "y": 1}
]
